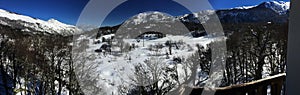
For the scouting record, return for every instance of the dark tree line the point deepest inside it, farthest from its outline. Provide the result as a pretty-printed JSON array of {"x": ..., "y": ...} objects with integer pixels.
[
  {"x": 254, "y": 51},
  {"x": 39, "y": 64}
]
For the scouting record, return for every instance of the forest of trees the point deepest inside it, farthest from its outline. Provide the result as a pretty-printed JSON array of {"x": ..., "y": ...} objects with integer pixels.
[
  {"x": 254, "y": 47},
  {"x": 38, "y": 64}
]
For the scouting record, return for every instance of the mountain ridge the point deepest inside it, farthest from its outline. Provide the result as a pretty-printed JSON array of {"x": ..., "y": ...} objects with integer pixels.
[{"x": 26, "y": 23}]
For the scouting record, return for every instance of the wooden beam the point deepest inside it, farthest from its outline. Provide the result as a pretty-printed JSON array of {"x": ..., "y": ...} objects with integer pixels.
[{"x": 258, "y": 87}]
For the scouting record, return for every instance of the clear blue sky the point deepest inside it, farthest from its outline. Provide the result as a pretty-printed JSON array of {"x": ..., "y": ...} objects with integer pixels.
[{"x": 68, "y": 11}]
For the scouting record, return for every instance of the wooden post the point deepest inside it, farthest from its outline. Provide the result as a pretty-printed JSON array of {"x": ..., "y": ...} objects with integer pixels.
[
  {"x": 262, "y": 90},
  {"x": 276, "y": 88}
]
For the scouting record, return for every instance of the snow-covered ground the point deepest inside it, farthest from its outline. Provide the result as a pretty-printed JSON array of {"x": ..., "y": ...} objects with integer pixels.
[{"x": 114, "y": 70}]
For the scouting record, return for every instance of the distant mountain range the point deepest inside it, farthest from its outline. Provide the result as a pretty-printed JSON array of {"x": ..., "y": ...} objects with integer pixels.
[{"x": 273, "y": 11}]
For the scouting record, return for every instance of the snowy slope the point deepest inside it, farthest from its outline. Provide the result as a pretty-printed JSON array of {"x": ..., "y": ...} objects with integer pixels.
[
  {"x": 150, "y": 16},
  {"x": 28, "y": 23},
  {"x": 280, "y": 7},
  {"x": 115, "y": 70},
  {"x": 244, "y": 7},
  {"x": 151, "y": 21},
  {"x": 197, "y": 18}
]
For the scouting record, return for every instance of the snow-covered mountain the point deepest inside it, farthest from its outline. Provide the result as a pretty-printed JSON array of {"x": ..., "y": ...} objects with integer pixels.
[
  {"x": 29, "y": 24},
  {"x": 152, "y": 21},
  {"x": 273, "y": 11},
  {"x": 280, "y": 7},
  {"x": 275, "y": 5},
  {"x": 150, "y": 16}
]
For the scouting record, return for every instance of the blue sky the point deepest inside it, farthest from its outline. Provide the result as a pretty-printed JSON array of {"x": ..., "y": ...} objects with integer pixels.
[{"x": 68, "y": 11}]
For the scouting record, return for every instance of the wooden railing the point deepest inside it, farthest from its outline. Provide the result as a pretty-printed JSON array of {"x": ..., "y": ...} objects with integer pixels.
[{"x": 258, "y": 87}]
